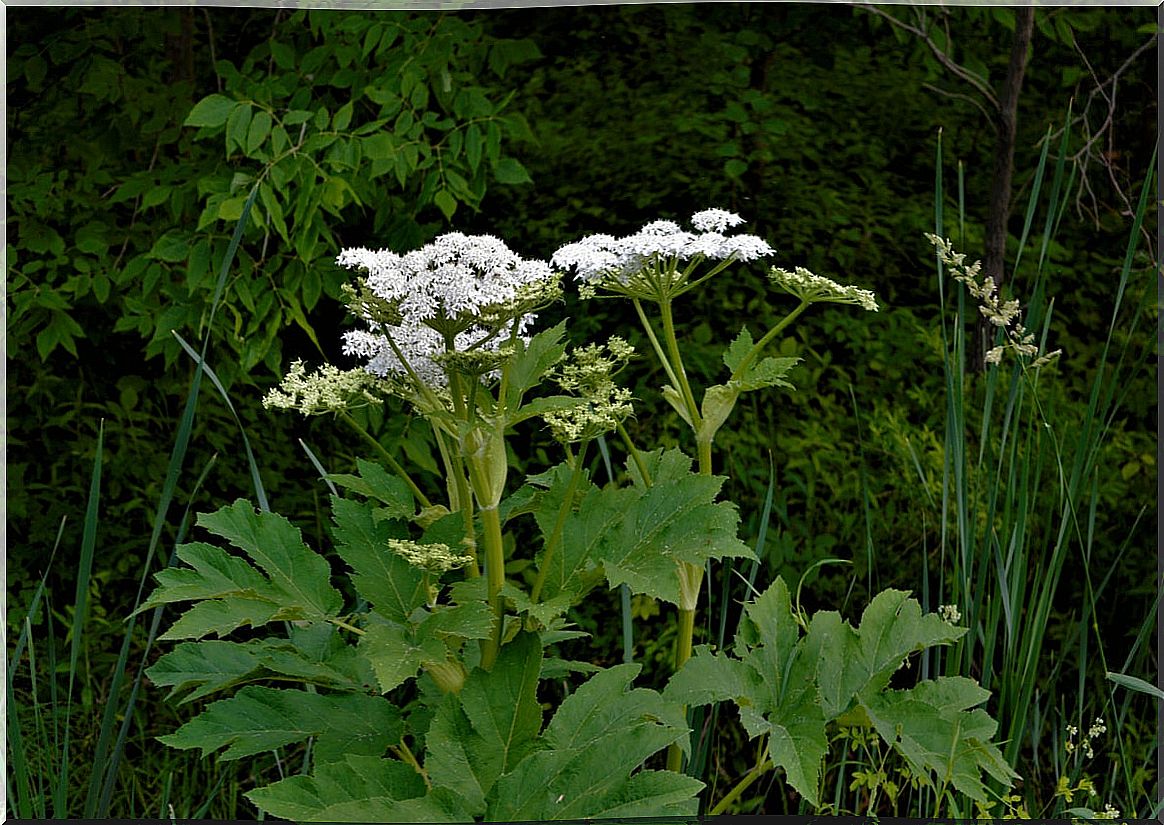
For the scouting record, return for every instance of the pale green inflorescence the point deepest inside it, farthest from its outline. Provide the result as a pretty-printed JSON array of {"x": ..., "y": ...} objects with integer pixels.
[
  {"x": 816, "y": 288},
  {"x": 327, "y": 390},
  {"x": 588, "y": 374},
  {"x": 434, "y": 558},
  {"x": 1000, "y": 313}
]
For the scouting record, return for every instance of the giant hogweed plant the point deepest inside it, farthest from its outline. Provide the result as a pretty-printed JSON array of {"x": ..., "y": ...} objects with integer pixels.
[{"x": 413, "y": 688}]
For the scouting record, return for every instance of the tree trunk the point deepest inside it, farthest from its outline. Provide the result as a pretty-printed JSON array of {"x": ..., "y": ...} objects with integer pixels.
[{"x": 993, "y": 264}]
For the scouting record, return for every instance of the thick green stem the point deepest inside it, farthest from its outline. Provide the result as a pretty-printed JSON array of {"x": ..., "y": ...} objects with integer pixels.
[
  {"x": 663, "y": 360},
  {"x": 677, "y": 364},
  {"x": 460, "y": 499},
  {"x": 388, "y": 459},
  {"x": 495, "y": 580},
  {"x": 741, "y": 786},
  {"x": 559, "y": 524}
]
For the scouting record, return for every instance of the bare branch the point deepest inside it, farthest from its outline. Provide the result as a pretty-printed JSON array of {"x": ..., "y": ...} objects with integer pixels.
[
  {"x": 990, "y": 116},
  {"x": 954, "y": 68}
]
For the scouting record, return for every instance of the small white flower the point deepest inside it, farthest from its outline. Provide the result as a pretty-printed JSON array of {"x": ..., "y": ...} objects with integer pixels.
[
  {"x": 435, "y": 558},
  {"x": 329, "y": 389},
  {"x": 1001, "y": 314},
  {"x": 950, "y": 613},
  {"x": 1097, "y": 727}
]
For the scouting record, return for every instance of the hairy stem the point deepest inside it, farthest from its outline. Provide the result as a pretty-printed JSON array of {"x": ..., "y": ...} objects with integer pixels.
[{"x": 495, "y": 580}]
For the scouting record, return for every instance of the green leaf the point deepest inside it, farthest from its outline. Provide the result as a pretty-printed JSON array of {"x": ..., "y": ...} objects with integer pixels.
[
  {"x": 734, "y": 167},
  {"x": 260, "y": 719},
  {"x": 223, "y": 617},
  {"x": 767, "y": 372},
  {"x": 395, "y": 655},
  {"x": 373, "y": 481},
  {"x": 446, "y": 203},
  {"x": 210, "y": 666},
  {"x": 342, "y": 117},
  {"x": 448, "y": 761},
  {"x": 237, "y": 125},
  {"x": 358, "y": 789},
  {"x": 772, "y": 686},
  {"x": 585, "y": 764},
  {"x": 531, "y": 360},
  {"x": 211, "y": 111},
  {"x": 393, "y": 586},
  {"x": 858, "y": 661},
  {"x": 172, "y": 247},
  {"x": 790, "y": 687},
  {"x": 472, "y": 620},
  {"x": 639, "y": 535},
  {"x": 207, "y": 667},
  {"x": 213, "y": 573},
  {"x": 502, "y": 707},
  {"x": 259, "y": 129},
  {"x": 940, "y": 738},
  {"x": 298, "y": 573},
  {"x": 474, "y": 146},
  {"x": 509, "y": 170},
  {"x": 1136, "y": 684}
]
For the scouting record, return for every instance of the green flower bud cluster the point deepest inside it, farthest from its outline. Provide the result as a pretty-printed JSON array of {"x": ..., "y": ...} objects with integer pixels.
[
  {"x": 816, "y": 288},
  {"x": 433, "y": 558},
  {"x": 329, "y": 389},
  {"x": 589, "y": 374}
]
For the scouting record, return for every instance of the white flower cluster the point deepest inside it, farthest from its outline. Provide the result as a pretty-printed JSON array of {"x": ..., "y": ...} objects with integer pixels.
[
  {"x": 1000, "y": 313},
  {"x": 950, "y": 613},
  {"x": 606, "y": 261},
  {"x": 329, "y": 389},
  {"x": 1097, "y": 729},
  {"x": 810, "y": 287},
  {"x": 454, "y": 275},
  {"x": 452, "y": 291}
]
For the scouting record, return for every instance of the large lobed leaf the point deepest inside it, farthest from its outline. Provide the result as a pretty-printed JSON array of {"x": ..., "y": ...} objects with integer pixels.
[
  {"x": 638, "y": 535},
  {"x": 393, "y": 586},
  {"x": 585, "y": 766},
  {"x": 211, "y": 665},
  {"x": 259, "y": 719},
  {"x": 485, "y": 757},
  {"x": 233, "y": 594},
  {"x": 791, "y": 686}
]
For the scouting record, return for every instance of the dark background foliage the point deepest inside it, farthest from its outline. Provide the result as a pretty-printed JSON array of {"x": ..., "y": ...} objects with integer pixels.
[{"x": 817, "y": 123}]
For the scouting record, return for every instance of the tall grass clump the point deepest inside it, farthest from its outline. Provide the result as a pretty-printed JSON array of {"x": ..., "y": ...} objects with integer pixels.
[
  {"x": 1018, "y": 504},
  {"x": 65, "y": 756}
]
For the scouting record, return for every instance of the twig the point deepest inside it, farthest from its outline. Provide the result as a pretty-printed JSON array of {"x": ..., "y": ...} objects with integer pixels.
[{"x": 955, "y": 68}]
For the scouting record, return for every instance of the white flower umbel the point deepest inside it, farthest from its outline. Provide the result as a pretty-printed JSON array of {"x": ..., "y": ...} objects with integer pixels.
[
  {"x": 813, "y": 288},
  {"x": 458, "y": 293},
  {"x": 455, "y": 277},
  {"x": 646, "y": 265}
]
